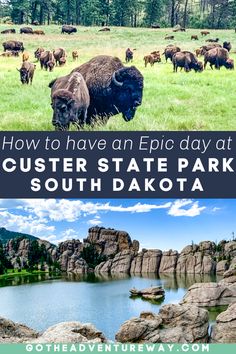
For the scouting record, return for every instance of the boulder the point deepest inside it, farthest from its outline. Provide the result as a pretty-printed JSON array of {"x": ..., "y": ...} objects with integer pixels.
[
  {"x": 210, "y": 294},
  {"x": 173, "y": 324},
  {"x": 229, "y": 276},
  {"x": 168, "y": 262},
  {"x": 224, "y": 331},
  {"x": 71, "y": 332},
  {"x": 11, "y": 332},
  {"x": 152, "y": 293}
]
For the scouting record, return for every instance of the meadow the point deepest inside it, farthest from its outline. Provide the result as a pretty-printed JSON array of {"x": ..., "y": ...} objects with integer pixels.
[{"x": 182, "y": 101}]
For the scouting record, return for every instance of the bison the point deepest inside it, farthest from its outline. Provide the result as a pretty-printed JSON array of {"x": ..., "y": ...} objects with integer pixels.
[
  {"x": 186, "y": 60},
  {"x": 105, "y": 29},
  {"x": 27, "y": 72},
  {"x": 227, "y": 45},
  {"x": 195, "y": 37},
  {"x": 113, "y": 88},
  {"x": 211, "y": 40},
  {"x": 205, "y": 48},
  {"x": 129, "y": 55},
  {"x": 155, "y": 25},
  {"x": 26, "y": 30},
  {"x": 13, "y": 45},
  {"x": 47, "y": 60},
  {"x": 75, "y": 55},
  {"x": 152, "y": 58},
  {"x": 218, "y": 57},
  {"x": 62, "y": 61},
  {"x": 70, "y": 101},
  {"x": 8, "y": 31},
  {"x": 170, "y": 51},
  {"x": 25, "y": 56},
  {"x": 39, "y": 32},
  {"x": 68, "y": 29},
  {"x": 205, "y": 33},
  {"x": 169, "y": 37},
  {"x": 38, "y": 52},
  {"x": 198, "y": 52},
  {"x": 58, "y": 54}
]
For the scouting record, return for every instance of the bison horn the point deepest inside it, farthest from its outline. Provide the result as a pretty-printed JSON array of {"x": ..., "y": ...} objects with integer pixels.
[{"x": 116, "y": 82}]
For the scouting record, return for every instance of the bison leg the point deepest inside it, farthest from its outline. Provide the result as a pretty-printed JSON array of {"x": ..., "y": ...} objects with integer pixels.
[{"x": 205, "y": 64}]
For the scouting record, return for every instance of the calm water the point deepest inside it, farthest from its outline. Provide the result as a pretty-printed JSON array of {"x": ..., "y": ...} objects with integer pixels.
[{"x": 103, "y": 301}]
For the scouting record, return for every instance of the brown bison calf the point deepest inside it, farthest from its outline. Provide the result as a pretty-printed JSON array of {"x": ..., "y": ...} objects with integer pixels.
[
  {"x": 70, "y": 101},
  {"x": 75, "y": 55},
  {"x": 198, "y": 52},
  {"x": 218, "y": 57},
  {"x": 152, "y": 58},
  {"x": 27, "y": 72},
  {"x": 195, "y": 37},
  {"x": 39, "y": 32},
  {"x": 25, "y": 56},
  {"x": 205, "y": 33}
]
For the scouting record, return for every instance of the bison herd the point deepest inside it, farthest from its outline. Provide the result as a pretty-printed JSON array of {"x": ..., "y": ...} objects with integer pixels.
[{"x": 103, "y": 86}]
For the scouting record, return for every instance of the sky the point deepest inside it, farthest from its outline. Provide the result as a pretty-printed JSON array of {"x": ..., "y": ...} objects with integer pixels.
[{"x": 156, "y": 223}]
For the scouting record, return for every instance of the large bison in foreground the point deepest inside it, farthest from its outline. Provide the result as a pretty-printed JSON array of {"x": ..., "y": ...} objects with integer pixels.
[
  {"x": 113, "y": 88},
  {"x": 70, "y": 101},
  {"x": 218, "y": 57},
  {"x": 13, "y": 46}
]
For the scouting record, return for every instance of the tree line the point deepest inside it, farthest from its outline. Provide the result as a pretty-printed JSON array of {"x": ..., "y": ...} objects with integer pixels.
[{"x": 130, "y": 13}]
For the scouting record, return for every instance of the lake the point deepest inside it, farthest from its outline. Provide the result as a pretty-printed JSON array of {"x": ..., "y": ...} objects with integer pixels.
[{"x": 40, "y": 302}]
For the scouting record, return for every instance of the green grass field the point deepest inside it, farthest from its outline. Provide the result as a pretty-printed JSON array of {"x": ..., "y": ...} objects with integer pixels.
[{"x": 182, "y": 101}]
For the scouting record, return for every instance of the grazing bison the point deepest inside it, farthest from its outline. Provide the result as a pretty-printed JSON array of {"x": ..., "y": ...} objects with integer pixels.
[
  {"x": 47, "y": 60},
  {"x": 13, "y": 45},
  {"x": 38, "y": 52},
  {"x": 186, "y": 60},
  {"x": 75, "y": 55},
  {"x": 26, "y": 30},
  {"x": 105, "y": 29},
  {"x": 70, "y": 101},
  {"x": 39, "y": 32},
  {"x": 205, "y": 48},
  {"x": 170, "y": 51},
  {"x": 211, "y": 40},
  {"x": 205, "y": 33},
  {"x": 152, "y": 58},
  {"x": 169, "y": 37},
  {"x": 218, "y": 57},
  {"x": 227, "y": 45},
  {"x": 10, "y": 54},
  {"x": 58, "y": 54},
  {"x": 62, "y": 61},
  {"x": 25, "y": 56},
  {"x": 179, "y": 29},
  {"x": 8, "y": 31},
  {"x": 27, "y": 72},
  {"x": 198, "y": 52},
  {"x": 113, "y": 88},
  {"x": 68, "y": 29},
  {"x": 195, "y": 37},
  {"x": 129, "y": 55}
]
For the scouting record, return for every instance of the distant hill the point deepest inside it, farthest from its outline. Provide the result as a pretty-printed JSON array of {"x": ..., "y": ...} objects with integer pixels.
[{"x": 6, "y": 235}]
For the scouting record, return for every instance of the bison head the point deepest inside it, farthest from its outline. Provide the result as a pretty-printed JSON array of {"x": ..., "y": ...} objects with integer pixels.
[
  {"x": 64, "y": 109},
  {"x": 229, "y": 64},
  {"x": 198, "y": 66},
  {"x": 128, "y": 87},
  {"x": 23, "y": 75}
]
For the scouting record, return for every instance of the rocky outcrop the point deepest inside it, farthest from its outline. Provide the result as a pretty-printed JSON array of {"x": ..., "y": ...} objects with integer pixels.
[
  {"x": 152, "y": 293},
  {"x": 224, "y": 331},
  {"x": 168, "y": 262},
  {"x": 173, "y": 324},
  {"x": 147, "y": 261},
  {"x": 11, "y": 332},
  {"x": 210, "y": 294},
  {"x": 69, "y": 257},
  {"x": 229, "y": 276},
  {"x": 110, "y": 242},
  {"x": 71, "y": 332}
]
